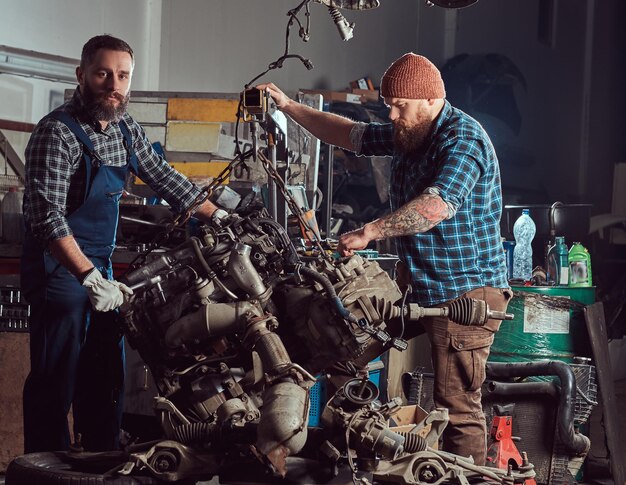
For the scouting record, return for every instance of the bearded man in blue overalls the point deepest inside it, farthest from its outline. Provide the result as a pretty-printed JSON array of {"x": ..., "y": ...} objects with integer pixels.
[{"x": 77, "y": 161}]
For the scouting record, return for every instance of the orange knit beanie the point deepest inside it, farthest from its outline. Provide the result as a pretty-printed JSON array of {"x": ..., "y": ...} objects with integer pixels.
[{"x": 412, "y": 77}]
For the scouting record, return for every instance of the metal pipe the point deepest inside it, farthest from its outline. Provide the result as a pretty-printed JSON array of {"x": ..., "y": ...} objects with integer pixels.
[
  {"x": 573, "y": 441},
  {"x": 494, "y": 388},
  {"x": 212, "y": 320},
  {"x": 241, "y": 269}
]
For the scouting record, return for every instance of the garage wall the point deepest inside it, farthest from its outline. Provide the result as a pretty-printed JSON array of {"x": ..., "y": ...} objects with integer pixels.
[
  {"x": 61, "y": 27},
  {"x": 219, "y": 46},
  {"x": 195, "y": 45},
  {"x": 571, "y": 109},
  {"x": 561, "y": 153}
]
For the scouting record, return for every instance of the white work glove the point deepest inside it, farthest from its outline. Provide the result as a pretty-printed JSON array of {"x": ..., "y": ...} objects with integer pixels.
[{"x": 105, "y": 295}]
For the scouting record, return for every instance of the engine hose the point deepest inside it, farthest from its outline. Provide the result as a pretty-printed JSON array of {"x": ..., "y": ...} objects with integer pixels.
[
  {"x": 494, "y": 388},
  {"x": 195, "y": 432},
  {"x": 287, "y": 244},
  {"x": 574, "y": 442},
  {"x": 413, "y": 442},
  {"x": 330, "y": 290},
  {"x": 195, "y": 244},
  {"x": 197, "y": 249}
]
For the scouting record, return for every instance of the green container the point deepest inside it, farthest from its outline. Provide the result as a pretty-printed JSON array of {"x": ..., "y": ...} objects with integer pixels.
[
  {"x": 549, "y": 323},
  {"x": 579, "y": 266}
]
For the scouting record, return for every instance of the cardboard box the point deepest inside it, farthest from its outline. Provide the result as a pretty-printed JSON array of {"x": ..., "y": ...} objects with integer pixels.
[
  {"x": 408, "y": 416},
  {"x": 406, "y": 419},
  {"x": 335, "y": 95},
  {"x": 367, "y": 95},
  {"x": 362, "y": 83}
]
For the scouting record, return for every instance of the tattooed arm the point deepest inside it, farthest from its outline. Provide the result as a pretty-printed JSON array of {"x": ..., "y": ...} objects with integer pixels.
[{"x": 418, "y": 215}]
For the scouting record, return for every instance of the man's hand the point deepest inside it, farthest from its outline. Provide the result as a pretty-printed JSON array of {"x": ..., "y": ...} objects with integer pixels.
[
  {"x": 280, "y": 98},
  {"x": 105, "y": 295},
  {"x": 357, "y": 239}
]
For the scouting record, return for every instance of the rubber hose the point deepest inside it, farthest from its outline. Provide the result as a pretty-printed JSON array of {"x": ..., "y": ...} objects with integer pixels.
[
  {"x": 330, "y": 290},
  {"x": 574, "y": 442}
]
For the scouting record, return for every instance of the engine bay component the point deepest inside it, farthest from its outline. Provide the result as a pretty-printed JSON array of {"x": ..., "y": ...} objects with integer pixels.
[{"x": 235, "y": 326}]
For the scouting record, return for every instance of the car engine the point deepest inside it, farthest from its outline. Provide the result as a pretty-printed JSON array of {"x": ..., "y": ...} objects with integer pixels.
[{"x": 235, "y": 326}]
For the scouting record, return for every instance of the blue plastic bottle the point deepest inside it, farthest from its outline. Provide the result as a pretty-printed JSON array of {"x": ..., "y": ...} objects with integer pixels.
[
  {"x": 524, "y": 231},
  {"x": 558, "y": 266}
]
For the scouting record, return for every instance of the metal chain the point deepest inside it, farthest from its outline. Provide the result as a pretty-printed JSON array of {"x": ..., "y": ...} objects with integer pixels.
[
  {"x": 293, "y": 205},
  {"x": 207, "y": 191},
  {"x": 183, "y": 217}
]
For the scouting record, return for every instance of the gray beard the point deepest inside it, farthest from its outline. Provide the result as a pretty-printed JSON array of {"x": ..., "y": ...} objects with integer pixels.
[{"x": 98, "y": 109}]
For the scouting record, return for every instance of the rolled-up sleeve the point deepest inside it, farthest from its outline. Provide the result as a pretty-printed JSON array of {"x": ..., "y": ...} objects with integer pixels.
[
  {"x": 49, "y": 167},
  {"x": 376, "y": 140},
  {"x": 459, "y": 170}
]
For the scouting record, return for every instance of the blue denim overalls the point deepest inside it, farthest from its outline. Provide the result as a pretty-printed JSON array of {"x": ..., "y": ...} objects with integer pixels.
[{"x": 77, "y": 355}]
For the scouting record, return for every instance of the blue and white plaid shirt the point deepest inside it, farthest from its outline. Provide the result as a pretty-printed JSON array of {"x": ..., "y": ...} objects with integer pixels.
[
  {"x": 458, "y": 162},
  {"x": 55, "y": 172}
]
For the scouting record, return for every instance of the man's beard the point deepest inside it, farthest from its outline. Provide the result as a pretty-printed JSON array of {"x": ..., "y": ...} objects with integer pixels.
[
  {"x": 99, "y": 108},
  {"x": 409, "y": 138}
]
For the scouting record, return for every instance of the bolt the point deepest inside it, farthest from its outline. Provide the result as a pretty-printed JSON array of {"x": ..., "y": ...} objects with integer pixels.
[
  {"x": 524, "y": 458},
  {"x": 427, "y": 475}
]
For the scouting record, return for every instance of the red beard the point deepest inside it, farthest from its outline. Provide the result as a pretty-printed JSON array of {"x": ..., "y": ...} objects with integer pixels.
[{"x": 409, "y": 138}]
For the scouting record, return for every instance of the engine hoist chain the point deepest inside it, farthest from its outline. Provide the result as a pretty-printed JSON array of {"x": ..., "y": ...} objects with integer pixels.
[
  {"x": 295, "y": 209},
  {"x": 183, "y": 217},
  {"x": 207, "y": 191}
]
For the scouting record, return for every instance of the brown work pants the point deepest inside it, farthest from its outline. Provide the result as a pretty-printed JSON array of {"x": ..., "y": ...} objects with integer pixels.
[{"x": 459, "y": 355}]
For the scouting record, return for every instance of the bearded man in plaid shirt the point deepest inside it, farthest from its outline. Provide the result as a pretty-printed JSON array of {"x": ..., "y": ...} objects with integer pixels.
[{"x": 446, "y": 204}]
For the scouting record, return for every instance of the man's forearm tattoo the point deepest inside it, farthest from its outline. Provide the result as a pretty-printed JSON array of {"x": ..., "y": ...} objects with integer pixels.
[{"x": 418, "y": 215}]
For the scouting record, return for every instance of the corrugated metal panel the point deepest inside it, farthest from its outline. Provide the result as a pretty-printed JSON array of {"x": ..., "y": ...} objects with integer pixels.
[
  {"x": 192, "y": 137},
  {"x": 210, "y": 110}
]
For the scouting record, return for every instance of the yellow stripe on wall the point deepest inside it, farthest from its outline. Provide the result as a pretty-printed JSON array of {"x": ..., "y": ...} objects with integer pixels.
[
  {"x": 200, "y": 169},
  {"x": 210, "y": 110},
  {"x": 196, "y": 169}
]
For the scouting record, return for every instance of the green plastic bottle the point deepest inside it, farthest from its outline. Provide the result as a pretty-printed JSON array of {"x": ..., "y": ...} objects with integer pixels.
[
  {"x": 558, "y": 262},
  {"x": 579, "y": 262}
]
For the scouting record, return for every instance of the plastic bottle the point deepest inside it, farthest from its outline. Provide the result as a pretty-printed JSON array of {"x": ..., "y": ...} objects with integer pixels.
[
  {"x": 524, "y": 231},
  {"x": 579, "y": 261},
  {"x": 558, "y": 264},
  {"x": 508, "y": 254},
  {"x": 12, "y": 216}
]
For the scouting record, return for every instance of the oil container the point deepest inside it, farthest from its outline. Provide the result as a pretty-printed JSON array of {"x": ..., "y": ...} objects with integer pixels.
[{"x": 549, "y": 323}]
